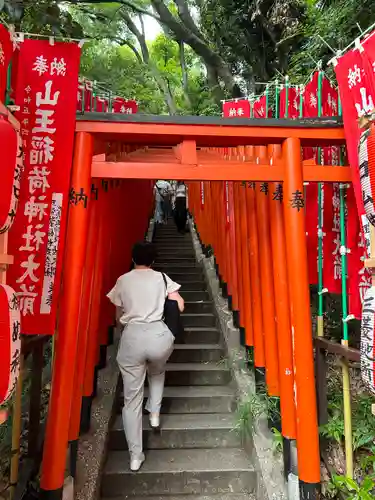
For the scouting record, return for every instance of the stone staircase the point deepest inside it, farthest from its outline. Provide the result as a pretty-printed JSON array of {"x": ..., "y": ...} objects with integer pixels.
[{"x": 197, "y": 455}]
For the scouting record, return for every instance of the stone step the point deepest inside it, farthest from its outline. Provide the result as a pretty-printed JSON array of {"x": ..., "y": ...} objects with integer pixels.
[
  {"x": 190, "y": 431},
  {"x": 202, "y": 319},
  {"x": 196, "y": 374},
  {"x": 179, "y": 269},
  {"x": 169, "y": 252},
  {"x": 217, "y": 496},
  {"x": 191, "y": 296},
  {"x": 189, "y": 286},
  {"x": 174, "y": 472},
  {"x": 201, "y": 335},
  {"x": 199, "y": 306},
  {"x": 176, "y": 261},
  {"x": 179, "y": 276},
  {"x": 196, "y": 353},
  {"x": 198, "y": 399},
  {"x": 174, "y": 248}
]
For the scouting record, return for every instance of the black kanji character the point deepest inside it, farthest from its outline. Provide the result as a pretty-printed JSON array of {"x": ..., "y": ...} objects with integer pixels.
[
  {"x": 297, "y": 200},
  {"x": 15, "y": 363},
  {"x": 81, "y": 196},
  {"x": 13, "y": 303},
  {"x": 364, "y": 167},
  {"x": 72, "y": 196},
  {"x": 16, "y": 331},
  {"x": 12, "y": 214},
  {"x": 264, "y": 188},
  {"x": 278, "y": 194},
  {"x": 367, "y": 198},
  {"x": 105, "y": 185},
  {"x": 94, "y": 191}
]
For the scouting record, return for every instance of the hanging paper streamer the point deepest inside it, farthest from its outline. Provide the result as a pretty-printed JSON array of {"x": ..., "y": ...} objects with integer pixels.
[{"x": 237, "y": 109}]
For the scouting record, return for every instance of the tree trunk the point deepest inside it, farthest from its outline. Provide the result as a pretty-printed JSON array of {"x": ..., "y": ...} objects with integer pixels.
[
  {"x": 185, "y": 81},
  {"x": 162, "y": 84}
]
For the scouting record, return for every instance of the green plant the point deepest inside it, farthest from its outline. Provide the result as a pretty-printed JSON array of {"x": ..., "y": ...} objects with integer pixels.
[
  {"x": 363, "y": 422},
  {"x": 277, "y": 444},
  {"x": 353, "y": 490},
  {"x": 252, "y": 408}
]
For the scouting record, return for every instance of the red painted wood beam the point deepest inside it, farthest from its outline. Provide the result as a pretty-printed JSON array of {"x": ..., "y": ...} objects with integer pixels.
[
  {"x": 223, "y": 170},
  {"x": 207, "y": 135}
]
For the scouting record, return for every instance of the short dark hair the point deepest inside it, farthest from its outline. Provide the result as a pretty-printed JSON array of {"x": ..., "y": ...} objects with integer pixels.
[{"x": 144, "y": 254}]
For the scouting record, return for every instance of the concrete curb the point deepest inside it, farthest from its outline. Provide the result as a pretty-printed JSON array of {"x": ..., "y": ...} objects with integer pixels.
[
  {"x": 93, "y": 445},
  {"x": 271, "y": 484}
]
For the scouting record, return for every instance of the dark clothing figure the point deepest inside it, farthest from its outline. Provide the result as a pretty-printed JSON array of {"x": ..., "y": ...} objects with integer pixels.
[{"x": 180, "y": 213}]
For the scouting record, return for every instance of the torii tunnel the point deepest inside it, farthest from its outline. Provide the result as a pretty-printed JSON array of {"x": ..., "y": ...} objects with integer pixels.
[{"x": 259, "y": 247}]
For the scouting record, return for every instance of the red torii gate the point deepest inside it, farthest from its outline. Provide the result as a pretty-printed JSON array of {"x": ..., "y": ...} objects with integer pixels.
[{"x": 161, "y": 147}]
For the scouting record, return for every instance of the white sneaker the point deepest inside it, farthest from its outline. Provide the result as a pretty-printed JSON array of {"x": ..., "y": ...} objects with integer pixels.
[
  {"x": 154, "y": 420},
  {"x": 135, "y": 464}
]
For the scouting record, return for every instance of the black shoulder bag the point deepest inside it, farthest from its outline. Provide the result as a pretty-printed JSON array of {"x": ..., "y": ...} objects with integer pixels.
[{"x": 172, "y": 317}]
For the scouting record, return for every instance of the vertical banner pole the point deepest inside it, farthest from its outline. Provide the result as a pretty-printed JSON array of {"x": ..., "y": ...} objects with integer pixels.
[
  {"x": 348, "y": 431},
  {"x": 296, "y": 251},
  {"x": 320, "y": 324}
]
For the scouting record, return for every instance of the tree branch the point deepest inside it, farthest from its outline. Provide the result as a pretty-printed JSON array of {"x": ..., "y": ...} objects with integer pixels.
[
  {"x": 134, "y": 49},
  {"x": 185, "y": 81},
  {"x": 126, "y": 3},
  {"x": 148, "y": 61},
  {"x": 186, "y": 18}
]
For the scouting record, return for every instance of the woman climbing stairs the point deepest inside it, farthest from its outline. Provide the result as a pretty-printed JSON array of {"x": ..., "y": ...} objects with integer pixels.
[{"x": 197, "y": 454}]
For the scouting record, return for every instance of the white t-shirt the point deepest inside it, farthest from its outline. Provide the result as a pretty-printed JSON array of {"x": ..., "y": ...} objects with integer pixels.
[{"x": 141, "y": 295}]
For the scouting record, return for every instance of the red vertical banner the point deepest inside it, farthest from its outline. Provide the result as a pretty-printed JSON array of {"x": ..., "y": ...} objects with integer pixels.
[
  {"x": 47, "y": 95},
  {"x": 359, "y": 278},
  {"x": 80, "y": 95},
  {"x": 101, "y": 104},
  {"x": 355, "y": 86},
  {"x": 89, "y": 105},
  {"x": 290, "y": 109},
  {"x": 124, "y": 106},
  {"x": 260, "y": 108},
  {"x": 311, "y": 213},
  {"x": 6, "y": 51},
  {"x": 332, "y": 269},
  {"x": 237, "y": 109}
]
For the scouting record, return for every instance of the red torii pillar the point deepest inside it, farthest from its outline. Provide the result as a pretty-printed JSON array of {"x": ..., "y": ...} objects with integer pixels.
[
  {"x": 57, "y": 430},
  {"x": 296, "y": 252}
]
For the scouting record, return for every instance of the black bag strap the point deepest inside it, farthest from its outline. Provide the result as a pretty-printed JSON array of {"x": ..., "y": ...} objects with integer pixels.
[{"x": 165, "y": 283}]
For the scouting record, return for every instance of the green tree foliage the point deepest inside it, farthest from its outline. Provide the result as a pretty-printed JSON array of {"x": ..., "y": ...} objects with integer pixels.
[{"x": 209, "y": 49}]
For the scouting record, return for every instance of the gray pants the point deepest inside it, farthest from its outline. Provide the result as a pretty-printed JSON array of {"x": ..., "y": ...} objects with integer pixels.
[{"x": 143, "y": 346}]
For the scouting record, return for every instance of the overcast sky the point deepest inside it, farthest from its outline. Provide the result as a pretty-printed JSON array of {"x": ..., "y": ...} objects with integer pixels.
[{"x": 152, "y": 27}]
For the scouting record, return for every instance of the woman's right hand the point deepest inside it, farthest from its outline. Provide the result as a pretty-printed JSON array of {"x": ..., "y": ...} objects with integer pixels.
[{"x": 177, "y": 297}]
